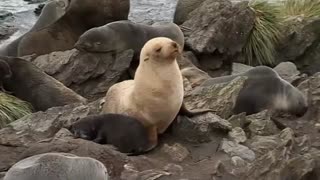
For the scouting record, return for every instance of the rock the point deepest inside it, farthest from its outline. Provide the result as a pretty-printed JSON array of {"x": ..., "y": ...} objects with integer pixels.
[
  {"x": 317, "y": 126},
  {"x": 288, "y": 71},
  {"x": 286, "y": 161},
  {"x": 301, "y": 44},
  {"x": 264, "y": 144},
  {"x": 190, "y": 71},
  {"x": 88, "y": 74},
  {"x": 235, "y": 149},
  {"x": 201, "y": 128},
  {"x": 149, "y": 12},
  {"x": 216, "y": 25},
  {"x": 132, "y": 174},
  {"x": 238, "y": 161},
  {"x": 35, "y": 1},
  {"x": 239, "y": 120},
  {"x": 43, "y": 125},
  {"x": 57, "y": 165},
  {"x": 217, "y": 32},
  {"x": 238, "y": 68},
  {"x": 38, "y": 10},
  {"x": 6, "y": 31},
  {"x": 261, "y": 124},
  {"x": 113, "y": 160},
  {"x": 237, "y": 135},
  {"x": 176, "y": 152},
  {"x": 4, "y": 14},
  {"x": 220, "y": 97},
  {"x": 184, "y": 8}
]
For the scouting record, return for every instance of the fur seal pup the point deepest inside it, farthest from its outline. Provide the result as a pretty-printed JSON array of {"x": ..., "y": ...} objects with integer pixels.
[
  {"x": 155, "y": 95},
  {"x": 57, "y": 166},
  {"x": 31, "y": 84},
  {"x": 80, "y": 16},
  {"x": 265, "y": 89},
  {"x": 52, "y": 11},
  {"x": 126, "y": 133}
]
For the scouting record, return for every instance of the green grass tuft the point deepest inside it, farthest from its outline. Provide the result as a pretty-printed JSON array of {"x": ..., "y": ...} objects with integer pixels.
[
  {"x": 12, "y": 108},
  {"x": 264, "y": 35},
  {"x": 301, "y": 8}
]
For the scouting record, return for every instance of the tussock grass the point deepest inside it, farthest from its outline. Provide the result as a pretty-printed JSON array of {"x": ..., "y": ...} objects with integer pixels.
[
  {"x": 12, "y": 108},
  {"x": 301, "y": 8},
  {"x": 265, "y": 34}
]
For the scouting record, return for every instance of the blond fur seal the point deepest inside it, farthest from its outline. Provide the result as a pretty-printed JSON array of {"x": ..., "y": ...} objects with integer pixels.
[
  {"x": 52, "y": 11},
  {"x": 57, "y": 166},
  {"x": 155, "y": 95},
  {"x": 265, "y": 89},
  {"x": 80, "y": 16}
]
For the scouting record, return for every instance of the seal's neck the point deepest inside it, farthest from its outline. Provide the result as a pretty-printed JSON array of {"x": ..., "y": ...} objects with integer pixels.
[{"x": 156, "y": 77}]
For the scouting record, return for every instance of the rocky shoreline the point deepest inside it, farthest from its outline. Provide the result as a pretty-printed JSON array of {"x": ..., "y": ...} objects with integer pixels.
[{"x": 221, "y": 145}]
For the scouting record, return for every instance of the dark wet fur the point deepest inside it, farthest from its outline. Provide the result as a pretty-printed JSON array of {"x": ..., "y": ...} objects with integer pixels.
[{"x": 126, "y": 133}]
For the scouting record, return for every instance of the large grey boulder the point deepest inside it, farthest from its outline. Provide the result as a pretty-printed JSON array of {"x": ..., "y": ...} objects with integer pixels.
[{"x": 88, "y": 74}]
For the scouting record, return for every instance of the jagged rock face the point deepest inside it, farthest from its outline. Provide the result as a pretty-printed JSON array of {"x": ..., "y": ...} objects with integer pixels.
[
  {"x": 149, "y": 12},
  {"x": 202, "y": 147},
  {"x": 216, "y": 31},
  {"x": 219, "y": 26},
  {"x": 219, "y": 145},
  {"x": 88, "y": 74},
  {"x": 301, "y": 44}
]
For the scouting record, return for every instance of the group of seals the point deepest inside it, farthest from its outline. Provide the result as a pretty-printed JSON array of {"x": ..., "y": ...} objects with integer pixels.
[
  {"x": 126, "y": 133},
  {"x": 155, "y": 95},
  {"x": 80, "y": 16},
  {"x": 264, "y": 89},
  {"x": 52, "y": 11},
  {"x": 57, "y": 166},
  {"x": 29, "y": 83}
]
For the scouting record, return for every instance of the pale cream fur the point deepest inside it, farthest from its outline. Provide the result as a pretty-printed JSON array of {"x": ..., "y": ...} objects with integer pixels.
[{"x": 156, "y": 94}]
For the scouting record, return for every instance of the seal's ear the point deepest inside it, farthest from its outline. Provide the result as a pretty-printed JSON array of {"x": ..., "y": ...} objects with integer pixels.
[{"x": 146, "y": 59}]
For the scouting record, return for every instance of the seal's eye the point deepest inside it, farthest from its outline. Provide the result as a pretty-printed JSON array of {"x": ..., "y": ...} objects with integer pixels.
[
  {"x": 158, "y": 49},
  {"x": 98, "y": 43}
]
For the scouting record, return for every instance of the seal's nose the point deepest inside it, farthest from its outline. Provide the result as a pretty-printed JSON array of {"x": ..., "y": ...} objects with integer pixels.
[{"x": 83, "y": 46}]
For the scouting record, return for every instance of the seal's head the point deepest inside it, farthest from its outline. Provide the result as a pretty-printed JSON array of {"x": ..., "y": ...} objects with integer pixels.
[
  {"x": 160, "y": 50},
  {"x": 98, "y": 40},
  {"x": 83, "y": 129},
  {"x": 291, "y": 100}
]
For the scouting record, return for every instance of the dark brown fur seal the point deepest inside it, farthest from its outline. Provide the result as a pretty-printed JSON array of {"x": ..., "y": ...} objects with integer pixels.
[
  {"x": 80, "y": 16},
  {"x": 122, "y": 35},
  {"x": 265, "y": 89},
  {"x": 126, "y": 133},
  {"x": 5, "y": 73},
  {"x": 31, "y": 84},
  {"x": 52, "y": 11}
]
